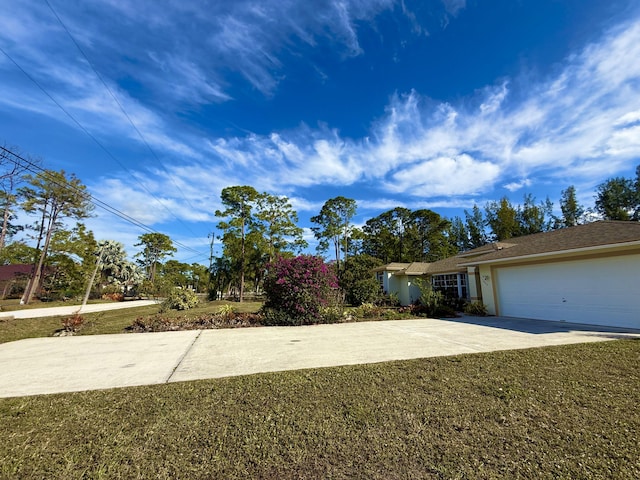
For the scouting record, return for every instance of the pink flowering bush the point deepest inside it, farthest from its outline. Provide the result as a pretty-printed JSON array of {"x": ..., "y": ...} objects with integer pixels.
[{"x": 297, "y": 290}]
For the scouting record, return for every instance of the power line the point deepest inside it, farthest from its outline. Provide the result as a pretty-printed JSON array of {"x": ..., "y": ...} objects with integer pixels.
[
  {"x": 115, "y": 99},
  {"x": 104, "y": 149},
  {"x": 34, "y": 168}
]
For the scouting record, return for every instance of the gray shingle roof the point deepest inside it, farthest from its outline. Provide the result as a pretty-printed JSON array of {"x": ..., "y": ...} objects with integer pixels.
[
  {"x": 582, "y": 236},
  {"x": 391, "y": 267},
  {"x": 415, "y": 268},
  {"x": 601, "y": 233}
]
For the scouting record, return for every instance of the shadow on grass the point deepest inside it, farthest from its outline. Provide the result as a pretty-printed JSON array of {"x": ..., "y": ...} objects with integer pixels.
[{"x": 537, "y": 327}]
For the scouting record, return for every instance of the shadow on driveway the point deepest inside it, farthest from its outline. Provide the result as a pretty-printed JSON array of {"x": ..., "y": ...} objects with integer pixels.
[{"x": 526, "y": 325}]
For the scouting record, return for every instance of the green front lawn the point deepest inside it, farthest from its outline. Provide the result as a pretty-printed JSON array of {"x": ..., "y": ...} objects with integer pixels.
[{"x": 557, "y": 412}]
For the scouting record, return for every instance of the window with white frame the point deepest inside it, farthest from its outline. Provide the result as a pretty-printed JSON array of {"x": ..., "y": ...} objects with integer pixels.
[{"x": 452, "y": 285}]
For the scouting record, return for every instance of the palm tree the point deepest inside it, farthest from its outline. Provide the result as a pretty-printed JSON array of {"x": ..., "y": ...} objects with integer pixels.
[{"x": 110, "y": 256}]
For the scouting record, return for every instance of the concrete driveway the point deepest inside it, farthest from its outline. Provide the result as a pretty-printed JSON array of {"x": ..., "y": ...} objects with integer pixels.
[
  {"x": 65, "y": 364},
  {"x": 72, "y": 309}
]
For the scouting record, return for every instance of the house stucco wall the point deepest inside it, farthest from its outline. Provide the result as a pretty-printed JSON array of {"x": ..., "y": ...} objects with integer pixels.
[
  {"x": 403, "y": 286},
  {"x": 393, "y": 285},
  {"x": 487, "y": 288}
]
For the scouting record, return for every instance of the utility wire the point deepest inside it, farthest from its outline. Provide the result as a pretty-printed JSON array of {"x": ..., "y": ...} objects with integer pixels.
[
  {"x": 34, "y": 168},
  {"x": 104, "y": 149},
  {"x": 115, "y": 99},
  {"x": 37, "y": 169}
]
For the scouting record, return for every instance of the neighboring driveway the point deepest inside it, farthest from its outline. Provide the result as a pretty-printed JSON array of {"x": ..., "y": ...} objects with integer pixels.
[
  {"x": 65, "y": 364},
  {"x": 72, "y": 309}
]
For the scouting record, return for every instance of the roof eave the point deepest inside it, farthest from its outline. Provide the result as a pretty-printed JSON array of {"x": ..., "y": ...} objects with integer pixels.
[{"x": 557, "y": 253}]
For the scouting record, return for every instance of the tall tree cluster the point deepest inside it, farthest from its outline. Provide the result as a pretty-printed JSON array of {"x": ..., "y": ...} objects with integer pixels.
[
  {"x": 334, "y": 228},
  {"x": 256, "y": 227},
  {"x": 402, "y": 235},
  {"x": 155, "y": 247},
  {"x": 618, "y": 198},
  {"x": 502, "y": 220},
  {"x": 65, "y": 256},
  {"x": 53, "y": 197}
]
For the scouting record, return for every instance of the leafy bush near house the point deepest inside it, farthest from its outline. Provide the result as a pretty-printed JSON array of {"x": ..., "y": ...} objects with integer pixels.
[
  {"x": 298, "y": 288},
  {"x": 179, "y": 299},
  {"x": 476, "y": 308},
  {"x": 444, "y": 311},
  {"x": 415, "y": 309},
  {"x": 358, "y": 281},
  {"x": 391, "y": 299},
  {"x": 457, "y": 304},
  {"x": 368, "y": 310},
  {"x": 272, "y": 317},
  {"x": 430, "y": 299},
  {"x": 332, "y": 314},
  {"x": 363, "y": 291}
]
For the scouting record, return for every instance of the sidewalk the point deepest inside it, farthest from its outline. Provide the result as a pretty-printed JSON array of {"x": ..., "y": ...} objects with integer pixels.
[
  {"x": 38, "y": 366},
  {"x": 71, "y": 309}
]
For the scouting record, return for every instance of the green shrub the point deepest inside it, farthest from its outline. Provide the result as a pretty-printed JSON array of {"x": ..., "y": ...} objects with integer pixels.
[
  {"x": 179, "y": 299},
  {"x": 392, "y": 314},
  {"x": 444, "y": 311},
  {"x": 363, "y": 291},
  {"x": 390, "y": 300},
  {"x": 332, "y": 314},
  {"x": 358, "y": 282},
  {"x": 456, "y": 303},
  {"x": 415, "y": 309},
  {"x": 226, "y": 310},
  {"x": 430, "y": 299},
  {"x": 476, "y": 308},
  {"x": 274, "y": 317},
  {"x": 167, "y": 323},
  {"x": 368, "y": 310}
]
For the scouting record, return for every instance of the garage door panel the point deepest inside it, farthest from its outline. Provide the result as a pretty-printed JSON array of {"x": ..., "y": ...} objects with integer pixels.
[{"x": 603, "y": 291}]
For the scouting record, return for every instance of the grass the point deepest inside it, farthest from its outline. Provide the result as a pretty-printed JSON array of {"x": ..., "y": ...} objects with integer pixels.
[
  {"x": 113, "y": 321},
  {"x": 556, "y": 412}
]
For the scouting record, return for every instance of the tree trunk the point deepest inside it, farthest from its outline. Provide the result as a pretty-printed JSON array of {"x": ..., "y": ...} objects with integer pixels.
[
  {"x": 242, "y": 261},
  {"x": 5, "y": 226},
  {"x": 336, "y": 242},
  {"x": 37, "y": 278},
  {"x": 93, "y": 278},
  {"x": 29, "y": 286}
]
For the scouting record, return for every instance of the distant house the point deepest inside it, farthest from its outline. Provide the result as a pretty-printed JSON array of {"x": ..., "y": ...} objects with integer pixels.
[
  {"x": 585, "y": 274},
  {"x": 13, "y": 276}
]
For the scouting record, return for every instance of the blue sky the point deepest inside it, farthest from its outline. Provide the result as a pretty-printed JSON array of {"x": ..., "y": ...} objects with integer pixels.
[{"x": 424, "y": 104}]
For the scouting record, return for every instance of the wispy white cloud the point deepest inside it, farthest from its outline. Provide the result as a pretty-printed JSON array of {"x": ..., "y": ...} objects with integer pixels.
[
  {"x": 453, "y": 7},
  {"x": 433, "y": 177},
  {"x": 180, "y": 55},
  {"x": 513, "y": 186},
  {"x": 577, "y": 124},
  {"x": 185, "y": 81}
]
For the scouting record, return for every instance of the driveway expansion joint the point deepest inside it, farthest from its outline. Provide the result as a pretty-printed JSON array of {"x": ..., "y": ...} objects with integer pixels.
[{"x": 182, "y": 357}]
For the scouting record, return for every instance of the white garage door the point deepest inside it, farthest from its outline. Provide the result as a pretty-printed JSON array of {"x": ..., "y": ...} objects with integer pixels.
[{"x": 603, "y": 291}]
